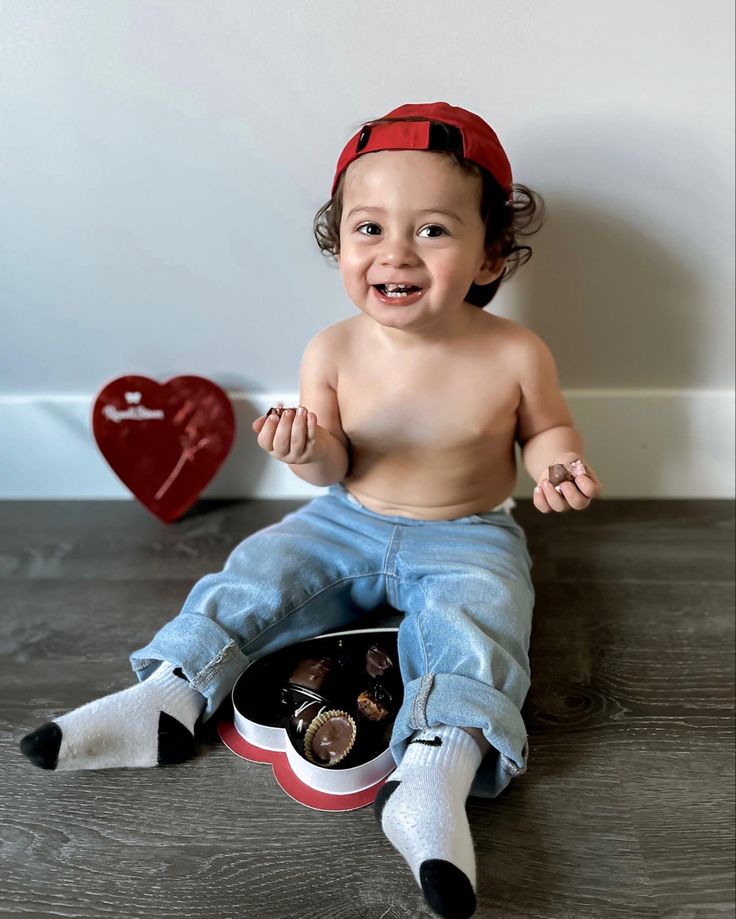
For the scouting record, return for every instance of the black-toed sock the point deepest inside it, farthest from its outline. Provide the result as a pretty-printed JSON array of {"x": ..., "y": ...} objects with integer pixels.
[
  {"x": 422, "y": 812},
  {"x": 149, "y": 724}
]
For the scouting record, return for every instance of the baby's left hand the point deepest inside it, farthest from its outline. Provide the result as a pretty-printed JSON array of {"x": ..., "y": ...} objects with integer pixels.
[{"x": 567, "y": 496}]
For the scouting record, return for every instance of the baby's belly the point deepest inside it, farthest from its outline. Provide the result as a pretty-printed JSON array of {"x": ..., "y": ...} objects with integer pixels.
[{"x": 430, "y": 488}]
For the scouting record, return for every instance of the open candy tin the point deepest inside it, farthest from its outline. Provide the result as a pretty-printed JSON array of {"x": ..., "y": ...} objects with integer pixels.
[{"x": 321, "y": 713}]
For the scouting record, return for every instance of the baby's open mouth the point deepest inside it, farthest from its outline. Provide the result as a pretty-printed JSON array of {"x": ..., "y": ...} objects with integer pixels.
[{"x": 396, "y": 290}]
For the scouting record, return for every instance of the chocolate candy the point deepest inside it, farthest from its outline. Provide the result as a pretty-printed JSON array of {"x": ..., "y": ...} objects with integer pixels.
[
  {"x": 301, "y": 697},
  {"x": 279, "y": 410},
  {"x": 311, "y": 672},
  {"x": 557, "y": 474},
  {"x": 375, "y": 703},
  {"x": 304, "y": 715},
  {"x": 329, "y": 739},
  {"x": 377, "y": 661},
  {"x": 566, "y": 472}
]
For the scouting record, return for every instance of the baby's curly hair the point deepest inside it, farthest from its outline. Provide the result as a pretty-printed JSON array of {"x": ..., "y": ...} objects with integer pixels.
[{"x": 505, "y": 220}]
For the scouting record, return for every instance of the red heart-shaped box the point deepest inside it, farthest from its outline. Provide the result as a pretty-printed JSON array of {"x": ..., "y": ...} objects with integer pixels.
[{"x": 164, "y": 441}]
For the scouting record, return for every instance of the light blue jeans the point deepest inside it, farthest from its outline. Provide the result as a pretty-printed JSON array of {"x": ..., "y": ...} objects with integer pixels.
[{"x": 463, "y": 586}]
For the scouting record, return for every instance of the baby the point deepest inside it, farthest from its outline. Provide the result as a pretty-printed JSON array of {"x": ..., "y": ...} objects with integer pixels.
[{"x": 410, "y": 412}]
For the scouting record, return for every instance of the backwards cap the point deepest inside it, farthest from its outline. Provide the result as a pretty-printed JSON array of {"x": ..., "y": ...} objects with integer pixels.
[{"x": 447, "y": 127}]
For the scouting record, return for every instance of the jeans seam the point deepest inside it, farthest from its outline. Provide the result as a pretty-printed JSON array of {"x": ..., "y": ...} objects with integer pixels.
[
  {"x": 420, "y": 631},
  {"x": 419, "y": 708},
  {"x": 387, "y": 574},
  {"x": 309, "y": 599},
  {"x": 205, "y": 676}
]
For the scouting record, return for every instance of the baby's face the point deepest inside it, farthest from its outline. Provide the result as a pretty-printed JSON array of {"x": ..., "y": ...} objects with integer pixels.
[{"x": 391, "y": 231}]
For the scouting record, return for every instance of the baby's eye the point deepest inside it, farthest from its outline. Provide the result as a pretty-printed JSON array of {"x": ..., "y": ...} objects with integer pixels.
[
  {"x": 364, "y": 225},
  {"x": 434, "y": 226}
]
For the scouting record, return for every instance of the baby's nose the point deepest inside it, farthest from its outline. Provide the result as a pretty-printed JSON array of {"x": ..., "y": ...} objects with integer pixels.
[{"x": 398, "y": 254}]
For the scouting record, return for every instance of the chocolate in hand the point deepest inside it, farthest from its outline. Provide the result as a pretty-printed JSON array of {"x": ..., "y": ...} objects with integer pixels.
[
  {"x": 558, "y": 474},
  {"x": 278, "y": 410},
  {"x": 566, "y": 472}
]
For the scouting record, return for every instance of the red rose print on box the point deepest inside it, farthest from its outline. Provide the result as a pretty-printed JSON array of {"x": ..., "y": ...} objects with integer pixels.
[{"x": 164, "y": 441}]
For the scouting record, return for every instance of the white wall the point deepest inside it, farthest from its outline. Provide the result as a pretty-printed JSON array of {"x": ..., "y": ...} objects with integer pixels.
[{"x": 162, "y": 162}]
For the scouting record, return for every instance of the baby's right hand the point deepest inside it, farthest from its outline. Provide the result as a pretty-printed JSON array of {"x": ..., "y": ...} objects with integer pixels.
[{"x": 293, "y": 438}]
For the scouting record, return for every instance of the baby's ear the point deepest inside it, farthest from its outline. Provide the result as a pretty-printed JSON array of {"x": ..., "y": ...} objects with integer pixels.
[{"x": 492, "y": 267}]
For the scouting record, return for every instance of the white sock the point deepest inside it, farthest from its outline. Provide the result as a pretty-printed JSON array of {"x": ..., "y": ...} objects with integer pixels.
[
  {"x": 422, "y": 812},
  {"x": 149, "y": 724}
]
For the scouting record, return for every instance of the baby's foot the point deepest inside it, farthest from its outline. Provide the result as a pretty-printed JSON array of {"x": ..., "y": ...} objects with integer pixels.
[
  {"x": 422, "y": 812},
  {"x": 149, "y": 724}
]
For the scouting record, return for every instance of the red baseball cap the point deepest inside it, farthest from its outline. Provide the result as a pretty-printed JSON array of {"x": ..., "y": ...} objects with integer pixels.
[{"x": 447, "y": 127}]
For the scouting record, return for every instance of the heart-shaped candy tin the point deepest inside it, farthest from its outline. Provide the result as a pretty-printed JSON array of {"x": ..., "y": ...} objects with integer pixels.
[
  {"x": 340, "y": 693},
  {"x": 164, "y": 441}
]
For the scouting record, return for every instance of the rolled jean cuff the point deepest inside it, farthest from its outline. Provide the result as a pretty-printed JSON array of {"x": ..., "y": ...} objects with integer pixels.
[
  {"x": 449, "y": 698},
  {"x": 210, "y": 659}
]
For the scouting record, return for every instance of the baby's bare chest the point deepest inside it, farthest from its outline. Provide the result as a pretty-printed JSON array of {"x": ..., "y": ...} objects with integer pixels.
[{"x": 426, "y": 406}]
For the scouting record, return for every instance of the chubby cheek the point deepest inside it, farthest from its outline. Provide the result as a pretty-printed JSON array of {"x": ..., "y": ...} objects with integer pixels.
[
  {"x": 354, "y": 271},
  {"x": 455, "y": 279},
  {"x": 444, "y": 284}
]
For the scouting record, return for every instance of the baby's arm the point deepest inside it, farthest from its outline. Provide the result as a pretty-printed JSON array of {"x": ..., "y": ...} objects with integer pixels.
[
  {"x": 317, "y": 453},
  {"x": 546, "y": 431}
]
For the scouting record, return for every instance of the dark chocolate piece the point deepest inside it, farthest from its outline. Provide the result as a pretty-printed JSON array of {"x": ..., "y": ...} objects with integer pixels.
[
  {"x": 301, "y": 696},
  {"x": 311, "y": 672},
  {"x": 304, "y": 715},
  {"x": 377, "y": 661}
]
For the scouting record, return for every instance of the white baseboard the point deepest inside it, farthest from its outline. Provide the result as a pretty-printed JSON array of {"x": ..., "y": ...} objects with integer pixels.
[{"x": 653, "y": 443}]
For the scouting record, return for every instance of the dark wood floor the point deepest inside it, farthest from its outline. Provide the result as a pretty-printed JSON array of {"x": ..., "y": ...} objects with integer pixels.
[{"x": 627, "y": 809}]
